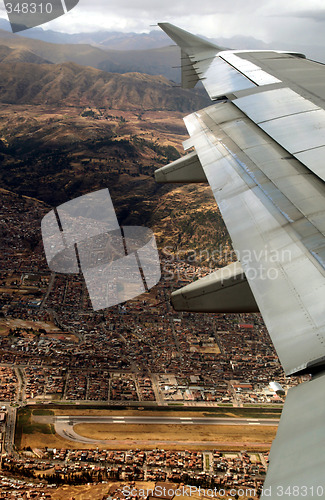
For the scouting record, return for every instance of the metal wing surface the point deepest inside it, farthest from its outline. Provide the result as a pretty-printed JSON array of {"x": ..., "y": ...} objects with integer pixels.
[{"x": 261, "y": 147}]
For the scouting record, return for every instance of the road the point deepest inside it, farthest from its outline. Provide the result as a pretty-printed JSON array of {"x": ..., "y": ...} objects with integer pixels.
[{"x": 9, "y": 435}]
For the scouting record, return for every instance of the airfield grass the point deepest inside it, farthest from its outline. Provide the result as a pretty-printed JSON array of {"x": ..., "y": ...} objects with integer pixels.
[
  {"x": 83, "y": 492},
  {"x": 126, "y": 436},
  {"x": 25, "y": 426},
  {"x": 179, "y": 435},
  {"x": 40, "y": 440}
]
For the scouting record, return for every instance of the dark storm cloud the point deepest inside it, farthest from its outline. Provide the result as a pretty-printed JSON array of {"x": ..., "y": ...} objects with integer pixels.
[{"x": 315, "y": 15}]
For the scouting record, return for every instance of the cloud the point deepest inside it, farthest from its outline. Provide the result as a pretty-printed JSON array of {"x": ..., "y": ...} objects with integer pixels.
[
  {"x": 286, "y": 23},
  {"x": 315, "y": 15},
  {"x": 140, "y": 14}
]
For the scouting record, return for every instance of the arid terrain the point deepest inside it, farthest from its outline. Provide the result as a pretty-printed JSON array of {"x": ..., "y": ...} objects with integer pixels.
[
  {"x": 66, "y": 130},
  {"x": 36, "y": 431}
]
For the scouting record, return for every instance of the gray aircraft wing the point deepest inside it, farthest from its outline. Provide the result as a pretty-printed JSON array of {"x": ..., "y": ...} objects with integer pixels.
[{"x": 261, "y": 147}]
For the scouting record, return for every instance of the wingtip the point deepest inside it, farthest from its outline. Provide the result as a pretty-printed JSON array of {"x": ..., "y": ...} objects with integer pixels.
[{"x": 185, "y": 39}]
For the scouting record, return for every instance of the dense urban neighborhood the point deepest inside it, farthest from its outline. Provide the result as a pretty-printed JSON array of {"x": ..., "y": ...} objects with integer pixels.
[{"x": 138, "y": 355}]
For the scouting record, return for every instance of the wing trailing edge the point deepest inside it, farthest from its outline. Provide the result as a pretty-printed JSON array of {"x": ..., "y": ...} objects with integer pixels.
[
  {"x": 187, "y": 169},
  {"x": 224, "y": 291},
  {"x": 297, "y": 458},
  {"x": 269, "y": 186}
]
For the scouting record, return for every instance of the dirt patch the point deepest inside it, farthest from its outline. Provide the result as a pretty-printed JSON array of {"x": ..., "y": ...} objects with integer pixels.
[
  {"x": 92, "y": 491},
  {"x": 98, "y": 491},
  {"x": 39, "y": 440},
  {"x": 84, "y": 492},
  {"x": 206, "y": 349},
  {"x": 178, "y": 433},
  {"x": 6, "y": 324},
  {"x": 56, "y": 441},
  {"x": 130, "y": 413}
]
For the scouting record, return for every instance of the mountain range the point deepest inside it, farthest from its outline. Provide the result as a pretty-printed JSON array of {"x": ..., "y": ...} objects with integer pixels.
[
  {"x": 67, "y": 129},
  {"x": 76, "y": 117},
  {"x": 159, "y": 61},
  {"x": 150, "y": 53},
  {"x": 38, "y": 82}
]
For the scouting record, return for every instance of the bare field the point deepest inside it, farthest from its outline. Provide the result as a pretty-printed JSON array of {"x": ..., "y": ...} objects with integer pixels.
[
  {"x": 169, "y": 437},
  {"x": 55, "y": 441},
  {"x": 97, "y": 491},
  {"x": 39, "y": 440},
  {"x": 164, "y": 126},
  {"x": 6, "y": 324},
  {"x": 137, "y": 413},
  {"x": 63, "y": 336},
  {"x": 191, "y": 434},
  {"x": 84, "y": 492},
  {"x": 207, "y": 349}
]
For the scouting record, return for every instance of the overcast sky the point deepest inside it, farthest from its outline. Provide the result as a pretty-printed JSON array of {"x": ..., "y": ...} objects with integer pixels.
[{"x": 297, "y": 21}]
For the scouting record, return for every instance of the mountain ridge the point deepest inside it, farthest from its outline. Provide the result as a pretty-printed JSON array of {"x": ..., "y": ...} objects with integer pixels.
[
  {"x": 8, "y": 55},
  {"x": 70, "y": 83},
  {"x": 150, "y": 60},
  {"x": 130, "y": 41},
  {"x": 154, "y": 61}
]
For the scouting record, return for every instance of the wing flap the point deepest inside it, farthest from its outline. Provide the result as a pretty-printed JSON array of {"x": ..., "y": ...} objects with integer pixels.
[
  {"x": 275, "y": 260},
  {"x": 263, "y": 155},
  {"x": 297, "y": 460},
  {"x": 184, "y": 170},
  {"x": 189, "y": 75},
  {"x": 225, "y": 290}
]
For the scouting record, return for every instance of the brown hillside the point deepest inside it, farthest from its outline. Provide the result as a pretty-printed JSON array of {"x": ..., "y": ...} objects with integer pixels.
[
  {"x": 79, "y": 53},
  {"x": 56, "y": 154},
  {"x": 69, "y": 83},
  {"x": 8, "y": 55},
  {"x": 159, "y": 61}
]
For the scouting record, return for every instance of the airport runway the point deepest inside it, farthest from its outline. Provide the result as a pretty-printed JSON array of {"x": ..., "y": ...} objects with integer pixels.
[
  {"x": 94, "y": 419},
  {"x": 64, "y": 425}
]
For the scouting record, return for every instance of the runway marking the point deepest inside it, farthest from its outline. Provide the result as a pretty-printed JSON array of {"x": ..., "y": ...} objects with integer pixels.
[
  {"x": 254, "y": 423},
  {"x": 185, "y": 418}
]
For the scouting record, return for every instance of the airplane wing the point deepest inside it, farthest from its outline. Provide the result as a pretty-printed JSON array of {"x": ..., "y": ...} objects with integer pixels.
[{"x": 261, "y": 147}]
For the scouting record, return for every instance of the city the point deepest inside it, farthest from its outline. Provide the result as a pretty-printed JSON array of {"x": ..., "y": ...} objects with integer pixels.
[{"x": 55, "y": 351}]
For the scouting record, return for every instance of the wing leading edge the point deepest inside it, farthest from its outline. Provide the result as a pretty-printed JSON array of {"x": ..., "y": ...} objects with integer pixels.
[{"x": 261, "y": 147}]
